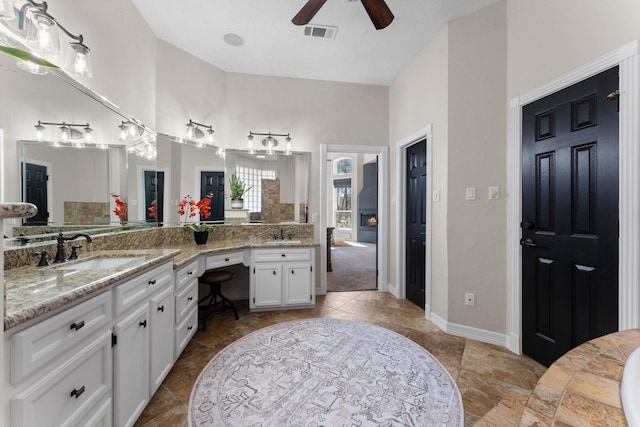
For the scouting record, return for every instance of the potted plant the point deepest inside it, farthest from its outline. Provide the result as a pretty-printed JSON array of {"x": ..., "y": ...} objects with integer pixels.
[
  {"x": 190, "y": 208},
  {"x": 238, "y": 189}
]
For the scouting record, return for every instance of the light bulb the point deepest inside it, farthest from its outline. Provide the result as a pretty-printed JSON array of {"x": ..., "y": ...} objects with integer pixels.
[
  {"x": 39, "y": 132},
  {"x": 190, "y": 131},
  {"x": 64, "y": 133},
  {"x": 210, "y": 137},
  {"x": 88, "y": 134},
  {"x": 7, "y": 10},
  {"x": 133, "y": 129}
]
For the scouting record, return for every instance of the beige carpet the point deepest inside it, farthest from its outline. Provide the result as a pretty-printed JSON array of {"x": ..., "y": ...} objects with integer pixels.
[
  {"x": 354, "y": 267},
  {"x": 325, "y": 372}
]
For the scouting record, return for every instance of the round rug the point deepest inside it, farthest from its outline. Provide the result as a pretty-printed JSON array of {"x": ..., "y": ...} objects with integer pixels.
[{"x": 325, "y": 372}]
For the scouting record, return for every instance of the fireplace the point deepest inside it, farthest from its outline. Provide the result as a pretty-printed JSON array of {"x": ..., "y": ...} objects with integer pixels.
[
  {"x": 368, "y": 204},
  {"x": 368, "y": 220}
]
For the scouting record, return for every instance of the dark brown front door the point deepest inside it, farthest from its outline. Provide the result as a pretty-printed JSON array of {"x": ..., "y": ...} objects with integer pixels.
[
  {"x": 570, "y": 217},
  {"x": 416, "y": 220},
  {"x": 213, "y": 182}
]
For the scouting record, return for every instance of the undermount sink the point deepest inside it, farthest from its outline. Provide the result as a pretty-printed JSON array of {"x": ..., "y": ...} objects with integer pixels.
[
  {"x": 98, "y": 263},
  {"x": 630, "y": 389}
]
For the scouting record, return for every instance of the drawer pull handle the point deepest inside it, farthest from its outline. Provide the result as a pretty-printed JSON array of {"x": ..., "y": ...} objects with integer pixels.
[
  {"x": 161, "y": 308},
  {"x": 274, "y": 272},
  {"x": 189, "y": 273},
  {"x": 77, "y": 326},
  {"x": 293, "y": 272},
  {"x": 152, "y": 282},
  {"x": 143, "y": 323},
  {"x": 77, "y": 392},
  {"x": 189, "y": 328},
  {"x": 283, "y": 255},
  {"x": 190, "y": 299},
  {"x": 226, "y": 260}
]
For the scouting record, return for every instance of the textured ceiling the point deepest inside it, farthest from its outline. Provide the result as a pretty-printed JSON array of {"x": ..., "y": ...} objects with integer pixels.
[{"x": 275, "y": 47}]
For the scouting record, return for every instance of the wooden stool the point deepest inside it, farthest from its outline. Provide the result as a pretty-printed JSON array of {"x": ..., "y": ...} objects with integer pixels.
[{"x": 214, "y": 279}]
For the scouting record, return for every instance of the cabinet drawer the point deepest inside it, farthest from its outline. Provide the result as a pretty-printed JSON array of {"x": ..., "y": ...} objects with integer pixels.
[
  {"x": 223, "y": 260},
  {"x": 68, "y": 393},
  {"x": 40, "y": 344},
  {"x": 101, "y": 417},
  {"x": 186, "y": 274},
  {"x": 186, "y": 330},
  {"x": 186, "y": 300},
  {"x": 129, "y": 293},
  {"x": 284, "y": 255}
]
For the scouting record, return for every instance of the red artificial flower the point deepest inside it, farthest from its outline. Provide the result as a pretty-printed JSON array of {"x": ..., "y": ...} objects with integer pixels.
[
  {"x": 190, "y": 208},
  {"x": 152, "y": 209},
  {"x": 121, "y": 208}
]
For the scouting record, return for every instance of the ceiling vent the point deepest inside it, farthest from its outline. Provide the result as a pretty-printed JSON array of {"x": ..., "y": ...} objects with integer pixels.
[{"x": 320, "y": 31}]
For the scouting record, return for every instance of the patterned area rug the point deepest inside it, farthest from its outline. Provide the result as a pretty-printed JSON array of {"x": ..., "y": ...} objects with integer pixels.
[{"x": 325, "y": 372}]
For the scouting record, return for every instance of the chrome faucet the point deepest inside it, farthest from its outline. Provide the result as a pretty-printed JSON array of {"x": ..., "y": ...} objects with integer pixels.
[{"x": 60, "y": 254}]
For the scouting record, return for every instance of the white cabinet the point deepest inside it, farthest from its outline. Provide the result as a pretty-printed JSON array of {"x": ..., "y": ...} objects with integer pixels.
[
  {"x": 161, "y": 319},
  {"x": 68, "y": 392},
  {"x": 186, "y": 303},
  {"x": 131, "y": 366},
  {"x": 145, "y": 310},
  {"x": 282, "y": 278}
]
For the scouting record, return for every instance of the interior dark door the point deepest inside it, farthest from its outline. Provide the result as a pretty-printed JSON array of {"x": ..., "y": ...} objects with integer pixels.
[
  {"x": 35, "y": 191},
  {"x": 213, "y": 182},
  {"x": 416, "y": 219},
  {"x": 154, "y": 190},
  {"x": 570, "y": 217}
]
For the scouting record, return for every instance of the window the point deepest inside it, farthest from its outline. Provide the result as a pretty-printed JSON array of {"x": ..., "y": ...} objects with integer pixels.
[
  {"x": 253, "y": 178},
  {"x": 342, "y": 192}
]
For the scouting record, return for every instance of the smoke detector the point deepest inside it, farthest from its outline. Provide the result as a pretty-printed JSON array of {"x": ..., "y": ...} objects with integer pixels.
[{"x": 320, "y": 31}]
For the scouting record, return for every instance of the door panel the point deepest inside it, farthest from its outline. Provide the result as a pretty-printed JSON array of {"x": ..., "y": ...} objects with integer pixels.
[
  {"x": 35, "y": 192},
  {"x": 416, "y": 184},
  {"x": 213, "y": 182},
  {"x": 570, "y": 217}
]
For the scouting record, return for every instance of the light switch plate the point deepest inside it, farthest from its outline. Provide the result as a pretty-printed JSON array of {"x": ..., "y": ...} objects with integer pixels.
[
  {"x": 494, "y": 193},
  {"x": 436, "y": 196},
  {"x": 471, "y": 193},
  {"x": 314, "y": 217}
]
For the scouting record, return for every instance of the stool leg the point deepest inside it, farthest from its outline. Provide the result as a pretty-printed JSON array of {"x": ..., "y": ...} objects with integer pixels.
[{"x": 224, "y": 299}]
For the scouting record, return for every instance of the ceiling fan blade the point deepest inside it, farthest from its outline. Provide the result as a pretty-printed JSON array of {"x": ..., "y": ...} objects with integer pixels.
[
  {"x": 379, "y": 13},
  {"x": 308, "y": 11}
]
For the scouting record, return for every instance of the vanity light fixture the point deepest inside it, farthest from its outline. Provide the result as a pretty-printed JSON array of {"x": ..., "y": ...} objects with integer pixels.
[
  {"x": 42, "y": 36},
  {"x": 68, "y": 131},
  {"x": 130, "y": 130},
  {"x": 194, "y": 132},
  {"x": 270, "y": 142}
]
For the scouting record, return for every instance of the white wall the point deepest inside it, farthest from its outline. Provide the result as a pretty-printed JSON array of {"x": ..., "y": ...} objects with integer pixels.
[
  {"x": 471, "y": 70},
  {"x": 417, "y": 97}
]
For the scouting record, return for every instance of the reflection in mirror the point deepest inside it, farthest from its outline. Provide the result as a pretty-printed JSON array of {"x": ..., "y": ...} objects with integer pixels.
[
  {"x": 279, "y": 182},
  {"x": 82, "y": 172}
]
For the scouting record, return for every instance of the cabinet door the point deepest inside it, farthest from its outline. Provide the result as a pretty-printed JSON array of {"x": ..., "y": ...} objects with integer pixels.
[
  {"x": 161, "y": 314},
  {"x": 131, "y": 366},
  {"x": 297, "y": 284},
  {"x": 268, "y": 280}
]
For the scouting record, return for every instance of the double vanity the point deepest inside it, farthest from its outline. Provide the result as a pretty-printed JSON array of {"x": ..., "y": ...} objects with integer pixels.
[{"x": 88, "y": 342}]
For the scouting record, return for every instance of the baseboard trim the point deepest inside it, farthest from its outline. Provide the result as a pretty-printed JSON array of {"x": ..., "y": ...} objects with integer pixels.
[{"x": 470, "y": 332}]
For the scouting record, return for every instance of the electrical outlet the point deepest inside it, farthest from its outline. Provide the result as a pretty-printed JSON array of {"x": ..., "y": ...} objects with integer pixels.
[{"x": 470, "y": 299}]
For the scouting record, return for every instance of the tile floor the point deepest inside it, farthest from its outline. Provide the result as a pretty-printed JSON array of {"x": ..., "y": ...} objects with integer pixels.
[{"x": 495, "y": 383}]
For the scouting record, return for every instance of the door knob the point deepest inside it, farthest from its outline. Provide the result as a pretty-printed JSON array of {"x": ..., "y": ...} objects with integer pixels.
[
  {"x": 528, "y": 242},
  {"x": 527, "y": 225}
]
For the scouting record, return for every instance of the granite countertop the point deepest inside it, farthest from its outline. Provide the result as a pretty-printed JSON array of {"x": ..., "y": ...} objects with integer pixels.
[
  {"x": 583, "y": 386},
  {"x": 32, "y": 291},
  {"x": 17, "y": 210},
  {"x": 190, "y": 252}
]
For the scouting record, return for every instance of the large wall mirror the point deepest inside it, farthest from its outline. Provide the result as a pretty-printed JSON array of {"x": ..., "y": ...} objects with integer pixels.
[
  {"x": 279, "y": 182},
  {"x": 71, "y": 153}
]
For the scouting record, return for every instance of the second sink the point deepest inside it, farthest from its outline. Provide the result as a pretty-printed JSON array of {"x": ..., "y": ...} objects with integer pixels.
[{"x": 98, "y": 263}]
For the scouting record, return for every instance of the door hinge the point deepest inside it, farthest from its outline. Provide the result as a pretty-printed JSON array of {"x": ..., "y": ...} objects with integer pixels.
[
  {"x": 377, "y": 273},
  {"x": 47, "y": 178},
  {"x": 254, "y": 300},
  {"x": 311, "y": 297},
  {"x": 114, "y": 340},
  {"x": 254, "y": 270},
  {"x": 311, "y": 268}
]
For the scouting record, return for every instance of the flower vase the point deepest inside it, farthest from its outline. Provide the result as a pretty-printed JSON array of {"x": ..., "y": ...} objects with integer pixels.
[{"x": 201, "y": 237}]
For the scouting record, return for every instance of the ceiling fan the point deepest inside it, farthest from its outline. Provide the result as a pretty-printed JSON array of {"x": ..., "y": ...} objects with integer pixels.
[{"x": 378, "y": 11}]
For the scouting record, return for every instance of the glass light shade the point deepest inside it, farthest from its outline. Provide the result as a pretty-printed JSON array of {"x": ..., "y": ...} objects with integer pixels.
[
  {"x": 31, "y": 67},
  {"x": 88, "y": 134},
  {"x": 64, "y": 133},
  {"x": 39, "y": 132},
  {"x": 210, "y": 136},
  {"x": 123, "y": 132},
  {"x": 7, "y": 10},
  {"x": 191, "y": 131},
  {"x": 43, "y": 33},
  {"x": 78, "y": 61}
]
